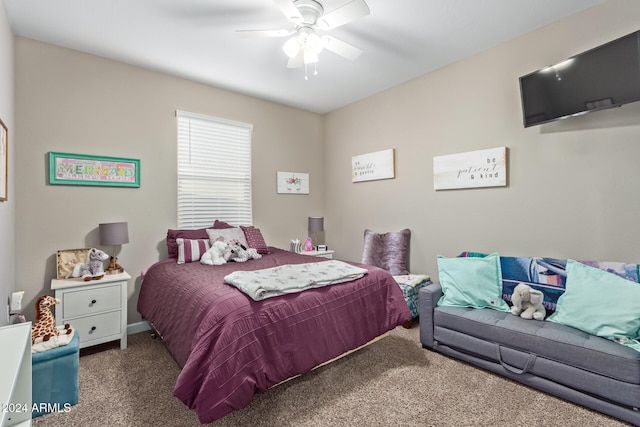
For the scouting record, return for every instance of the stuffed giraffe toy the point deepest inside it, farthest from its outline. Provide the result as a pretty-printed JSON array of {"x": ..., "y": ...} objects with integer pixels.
[{"x": 45, "y": 324}]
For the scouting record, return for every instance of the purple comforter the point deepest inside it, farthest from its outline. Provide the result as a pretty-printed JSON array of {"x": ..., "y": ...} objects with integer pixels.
[{"x": 231, "y": 347}]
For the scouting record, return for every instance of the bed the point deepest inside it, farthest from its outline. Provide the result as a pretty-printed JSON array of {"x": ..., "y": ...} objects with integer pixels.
[{"x": 231, "y": 347}]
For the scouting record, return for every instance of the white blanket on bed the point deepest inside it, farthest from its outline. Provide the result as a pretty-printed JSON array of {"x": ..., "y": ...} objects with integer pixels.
[{"x": 291, "y": 278}]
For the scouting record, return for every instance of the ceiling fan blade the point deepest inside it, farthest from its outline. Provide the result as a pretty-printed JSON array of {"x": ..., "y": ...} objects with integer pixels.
[
  {"x": 296, "y": 62},
  {"x": 290, "y": 10},
  {"x": 264, "y": 33},
  {"x": 341, "y": 48},
  {"x": 349, "y": 12}
]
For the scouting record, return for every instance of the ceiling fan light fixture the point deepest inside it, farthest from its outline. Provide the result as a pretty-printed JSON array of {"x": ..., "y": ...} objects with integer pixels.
[
  {"x": 314, "y": 43},
  {"x": 310, "y": 57},
  {"x": 292, "y": 47},
  {"x": 308, "y": 16}
]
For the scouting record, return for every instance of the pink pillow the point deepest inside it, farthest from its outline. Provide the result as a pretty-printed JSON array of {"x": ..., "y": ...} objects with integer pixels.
[
  {"x": 255, "y": 239},
  {"x": 191, "y": 250},
  {"x": 221, "y": 224}
]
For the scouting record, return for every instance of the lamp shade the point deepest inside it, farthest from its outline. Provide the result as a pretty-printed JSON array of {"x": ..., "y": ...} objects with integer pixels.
[
  {"x": 114, "y": 233},
  {"x": 316, "y": 229},
  {"x": 316, "y": 224}
]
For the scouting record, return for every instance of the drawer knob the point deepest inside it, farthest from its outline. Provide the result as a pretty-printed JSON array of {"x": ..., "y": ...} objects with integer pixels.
[
  {"x": 93, "y": 328},
  {"x": 93, "y": 301}
]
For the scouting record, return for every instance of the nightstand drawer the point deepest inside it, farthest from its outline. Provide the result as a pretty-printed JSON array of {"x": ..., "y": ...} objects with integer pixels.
[
  {"x": 98, "y": 326},
  {"x": 84, "y": 302}
]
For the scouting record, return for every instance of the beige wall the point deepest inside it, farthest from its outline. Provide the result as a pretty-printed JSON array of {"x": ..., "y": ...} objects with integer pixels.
[
  {"x": 8, "y": 207},
  {"x": 73, "y": 102},
  {"x": 573, "y": 185}
]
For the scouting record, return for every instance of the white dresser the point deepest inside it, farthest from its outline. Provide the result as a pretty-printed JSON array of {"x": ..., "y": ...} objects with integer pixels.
[
  {"x": 15, "y": 381},
  {"x": 97, "y": 309}
]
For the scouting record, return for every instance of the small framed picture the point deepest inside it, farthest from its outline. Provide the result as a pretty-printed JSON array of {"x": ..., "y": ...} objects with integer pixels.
[
  {"x": 322, "y": 247},
  {"x": 67, "y": 259}
]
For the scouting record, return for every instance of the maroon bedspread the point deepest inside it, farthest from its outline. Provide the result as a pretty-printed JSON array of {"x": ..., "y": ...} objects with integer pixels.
[{"x": 231, "y": 347}]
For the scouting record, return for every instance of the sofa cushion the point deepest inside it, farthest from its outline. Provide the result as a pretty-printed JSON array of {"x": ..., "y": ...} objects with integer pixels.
[
  {"x": 547, "y": 339},
  {"x": 549, "y": 275},
  {"x": 600, "y": 303},
  {"x": 471, "y": 282}
]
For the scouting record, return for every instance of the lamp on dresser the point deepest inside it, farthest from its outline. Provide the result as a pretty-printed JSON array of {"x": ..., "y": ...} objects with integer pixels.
[{"x": 114, "y": 234}]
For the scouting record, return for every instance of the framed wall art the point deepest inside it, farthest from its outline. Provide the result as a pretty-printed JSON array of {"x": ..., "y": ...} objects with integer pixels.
[
  {"x": 67, "y": 259},
  {"x": 4, "y": 161},
  {"x": 473, "y": 169},
  {"x": 83, "y": 169},
  {"x": 373, "y": 166},
  {"x": 292, "y": 183}
]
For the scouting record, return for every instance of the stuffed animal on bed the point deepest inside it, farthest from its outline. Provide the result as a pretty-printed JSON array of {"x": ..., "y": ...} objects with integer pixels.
[
  {"x": 527, "y": 302},
  {"x": 215, "y": 254},
  {"x": 238, "y": 252},
  {"x": 94, "y": 268}
]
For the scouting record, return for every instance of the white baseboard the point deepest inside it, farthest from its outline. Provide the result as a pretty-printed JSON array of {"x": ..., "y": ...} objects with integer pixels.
[{"x": 134, "y": 328}]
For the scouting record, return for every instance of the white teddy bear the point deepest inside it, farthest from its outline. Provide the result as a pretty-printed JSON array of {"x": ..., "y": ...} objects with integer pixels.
[
  {"x": 527, "y": 302},
  {"x": 215, "y": 254}
]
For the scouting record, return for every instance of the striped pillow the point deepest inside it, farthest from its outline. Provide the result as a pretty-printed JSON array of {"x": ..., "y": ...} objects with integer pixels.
[{"x": 191, "y": 250}]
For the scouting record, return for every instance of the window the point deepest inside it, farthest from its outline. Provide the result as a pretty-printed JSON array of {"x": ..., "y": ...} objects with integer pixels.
[{"x": 214, "y": 171}]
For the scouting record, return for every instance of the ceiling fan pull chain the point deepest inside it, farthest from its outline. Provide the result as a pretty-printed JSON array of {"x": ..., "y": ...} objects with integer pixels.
[
  {"x": 315, "y": 68},
  {"x": 306, "y": 77}
]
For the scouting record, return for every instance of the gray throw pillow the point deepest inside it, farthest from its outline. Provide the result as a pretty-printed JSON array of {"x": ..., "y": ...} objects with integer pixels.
[{"x": 389, "y": 251}]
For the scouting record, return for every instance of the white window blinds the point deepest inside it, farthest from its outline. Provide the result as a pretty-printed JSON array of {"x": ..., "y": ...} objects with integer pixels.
[{"x": 214, "y": 171}]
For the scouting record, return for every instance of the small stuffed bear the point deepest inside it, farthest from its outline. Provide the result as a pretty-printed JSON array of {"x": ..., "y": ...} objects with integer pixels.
[
  {"x": 238, "y": 252},
  {"x": 113, "y": 264},
  {"x": 527, "y": 302},
  {"x": 215, "y": 254},
  {"x": 94, "y": 268}
]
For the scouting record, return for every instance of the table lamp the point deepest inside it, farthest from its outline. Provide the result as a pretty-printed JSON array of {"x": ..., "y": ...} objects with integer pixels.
[
  {"x": 316, "y": 230},
  {"x": 113, "y": 234}
]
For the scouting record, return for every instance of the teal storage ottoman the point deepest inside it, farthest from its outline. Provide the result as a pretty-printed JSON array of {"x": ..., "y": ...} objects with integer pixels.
[{"x": 55, "y": 378}]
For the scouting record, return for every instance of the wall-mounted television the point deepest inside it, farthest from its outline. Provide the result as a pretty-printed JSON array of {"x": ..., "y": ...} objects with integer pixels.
[{"x": 604, "y": 77}]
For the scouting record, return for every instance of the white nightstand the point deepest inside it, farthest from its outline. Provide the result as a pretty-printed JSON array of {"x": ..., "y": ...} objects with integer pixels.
[
  {"x": 321, "y": 254},
  {"x": 97, "y": 309}
]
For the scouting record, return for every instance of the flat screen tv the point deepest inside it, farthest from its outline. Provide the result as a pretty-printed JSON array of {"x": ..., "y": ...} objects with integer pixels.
[{"x": 604, "y": 77}]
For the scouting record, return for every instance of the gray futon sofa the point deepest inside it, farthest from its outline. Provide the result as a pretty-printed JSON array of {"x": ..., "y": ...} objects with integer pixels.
[{"x": 566, "y": 362}]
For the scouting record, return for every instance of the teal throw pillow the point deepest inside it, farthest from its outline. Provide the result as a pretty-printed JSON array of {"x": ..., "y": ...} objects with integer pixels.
[
  {"x": 600, "y": 303},
  {"x": 471, "y": 282}
]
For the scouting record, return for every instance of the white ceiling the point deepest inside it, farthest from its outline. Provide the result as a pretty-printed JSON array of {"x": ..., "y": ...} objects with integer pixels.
[{"x": 196, "y": 39}]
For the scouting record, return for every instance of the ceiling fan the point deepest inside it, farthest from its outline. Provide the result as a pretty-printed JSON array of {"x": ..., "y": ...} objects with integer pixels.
[{"x": 308, "y": 16}]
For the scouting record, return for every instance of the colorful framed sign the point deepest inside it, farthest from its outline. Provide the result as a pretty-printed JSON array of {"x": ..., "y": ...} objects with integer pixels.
[{"x": 83, "y": 169}]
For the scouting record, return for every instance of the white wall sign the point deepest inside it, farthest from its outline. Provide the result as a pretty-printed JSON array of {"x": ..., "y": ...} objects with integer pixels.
[
  {"x": 293, "y": 183},
  {"x": 473, "y": 169},
  {"x": 372, "y": 166}
]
